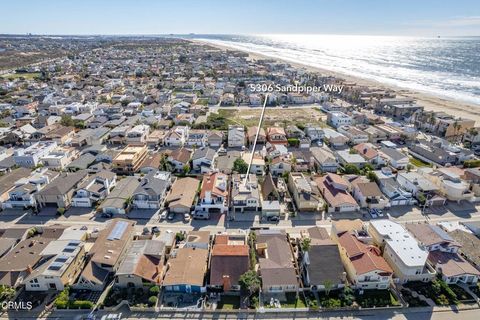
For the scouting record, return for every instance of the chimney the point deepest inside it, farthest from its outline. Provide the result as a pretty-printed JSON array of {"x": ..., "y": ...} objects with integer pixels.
[
  {"x": 29, "y": 269},
  {"x": 227, "y": 284}
]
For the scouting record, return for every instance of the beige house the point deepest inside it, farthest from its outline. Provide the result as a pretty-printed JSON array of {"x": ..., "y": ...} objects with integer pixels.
[{"x": 59, "y": 192}]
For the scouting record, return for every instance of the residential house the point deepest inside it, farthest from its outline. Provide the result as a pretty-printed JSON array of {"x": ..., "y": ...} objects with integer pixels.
[
  {"x": 354, "y": 134},
  {"x": 203, "y": 159},
  {"x": 334, "y": 190},
  {"x": 144, "y": 264},
  {"x": 365, "y": 266},
  {"x": 94, "y": 189},
  {"x": 197, "y": 138},
  {"x": 60, "y": 158},
  {"x": 444, "y": 255},
  {"x": 18, "y": 264},
  {"x": 345, "y": 157},
  {"x": 404, "y": 254},
  {"x": 322, "y": 264},
  {"x": 305, "y": 193},
  {"x": 182, "y": 195},
  {"x": 276, "y": 266},
  {"x": 118, "y": 201},
  {"x": 420, "y": 186},
  {"x": 245, "y": 195},
  {"x": 31, "y": 156},
  {"x": 338, "y": 118},
  {"x": 214, "y": 194},
  {"x": 252, "y": 133},
  {"x": 270, "y": 198},
  {"x": 450, "y": 184},
  {"x": 324, "y": 159},
  {"x": 62, "y": 262},
  {"x": 368, "y": 194},
  {"x": 313, "y": 132},
  {"x": 215, "y": 138},
  {"x": 257, "y": 163},
  {"x": 177, "y": 136},
  {"x": 277, "y": 135},
  {"x": 334, "y": 138},
  {"x": 180, "y": 159},
  {"x": 388, "y": 184},
  {"x": 236, "y": 136},
  {"x": 106, "y": 254},
  {"x": 152, "y": 190},
  {"x": 395, "y": 158},
  {"x": 229, "y": 260},
  {"x": 138, "y": 134},
  {"x": 59, "y": 193},
  {"x": 151, "y": 163},
  {"x": 129, "y": 160}
]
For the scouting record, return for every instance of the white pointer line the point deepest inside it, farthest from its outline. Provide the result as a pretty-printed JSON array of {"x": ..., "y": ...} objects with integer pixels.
[{"x": 260, "y": 121}]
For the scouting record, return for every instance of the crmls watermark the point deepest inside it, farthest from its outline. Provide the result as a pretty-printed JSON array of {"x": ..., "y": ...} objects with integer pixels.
[
  {"x": 16, "y": 305},
  {"x": 269, "y": 88}
]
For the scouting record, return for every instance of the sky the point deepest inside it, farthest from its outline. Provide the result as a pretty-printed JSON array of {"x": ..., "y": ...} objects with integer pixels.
[{"x": 369, "y": 17}]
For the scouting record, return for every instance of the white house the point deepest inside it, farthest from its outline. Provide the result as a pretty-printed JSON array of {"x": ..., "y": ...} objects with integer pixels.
[
  {"x": 236, "y": 136},
  {"x": 403, "y": 253},
  {"x": 31, "y": 156},
  {"x": 338, "y": 118}
]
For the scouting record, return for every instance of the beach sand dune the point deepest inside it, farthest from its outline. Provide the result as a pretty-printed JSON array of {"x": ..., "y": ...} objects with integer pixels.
[{"x": 429, "y": 102}]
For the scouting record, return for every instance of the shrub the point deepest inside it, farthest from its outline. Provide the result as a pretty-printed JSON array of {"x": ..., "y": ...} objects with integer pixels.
[
  {"x": 152, "y": 301},
  {"x": 60, "y": 211},
  {"x": 331, "y": 303},
  {"x": 154, "y": 290},
  {"x": 471, "y": 163}
]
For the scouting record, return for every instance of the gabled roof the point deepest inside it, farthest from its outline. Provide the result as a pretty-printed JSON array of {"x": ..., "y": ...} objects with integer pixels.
[
  {"x": 268, "y": 187},
  {"x": 64, "y": 183},
  {"x": 365, "y": 258}
]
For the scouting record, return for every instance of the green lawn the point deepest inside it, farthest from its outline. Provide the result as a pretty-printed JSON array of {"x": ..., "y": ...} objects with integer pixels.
[
  {"x": 229, "y": 302},
  {"x": 28, "y": 76},
  {"x": 419, "y": 163}
]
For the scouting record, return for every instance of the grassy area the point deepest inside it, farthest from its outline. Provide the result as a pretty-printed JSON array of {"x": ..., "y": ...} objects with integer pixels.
[
  {"x": 27, "y": 76},
  {"x": 293, "y": 301},
  {"x": 377, "y": 298},
  {"x": 229, "y": 302},
  {"x": 277, "y": 116},
  {"x": 419, "y": 163}
]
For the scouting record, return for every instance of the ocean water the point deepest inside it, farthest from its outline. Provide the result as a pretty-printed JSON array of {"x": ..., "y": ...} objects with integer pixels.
[{"x": 446, "y": 67}]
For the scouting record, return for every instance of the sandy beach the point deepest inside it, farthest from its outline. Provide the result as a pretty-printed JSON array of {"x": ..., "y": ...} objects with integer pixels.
[{"x": 429, "y": 102}]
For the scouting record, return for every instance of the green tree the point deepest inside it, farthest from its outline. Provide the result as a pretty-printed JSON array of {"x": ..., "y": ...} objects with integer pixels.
[
  {"x": 350, "y": 168},
  {"x": 67, "y": 121},
  {"x": 240, "y": 166},
  {"x": 305, "y": 244},
  {"x": 250, "y": 282}
]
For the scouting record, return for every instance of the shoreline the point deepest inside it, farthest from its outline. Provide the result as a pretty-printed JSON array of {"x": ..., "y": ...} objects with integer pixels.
[{"x": 428, "y": 101}]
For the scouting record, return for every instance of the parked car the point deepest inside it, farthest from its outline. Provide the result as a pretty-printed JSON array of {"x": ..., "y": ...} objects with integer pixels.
[
  {"x": 372, "y": 213},
  {"x": 171, "y": 215},
  {"x": 155, "y": 229},
  {"x": 186, "y": 217}
]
